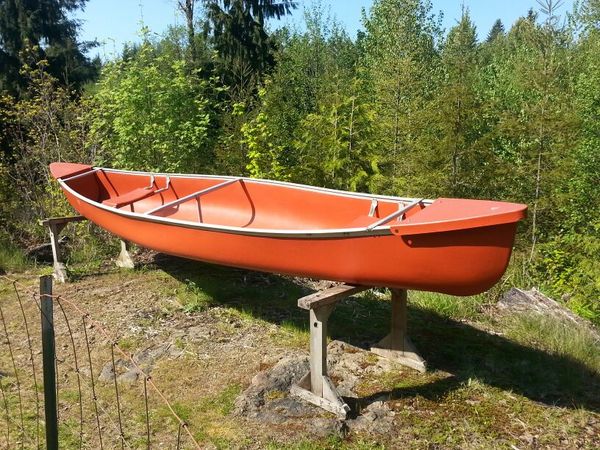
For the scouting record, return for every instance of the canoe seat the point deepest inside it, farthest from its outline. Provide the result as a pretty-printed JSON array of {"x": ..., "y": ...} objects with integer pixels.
[{"x": 129, "y": 197}]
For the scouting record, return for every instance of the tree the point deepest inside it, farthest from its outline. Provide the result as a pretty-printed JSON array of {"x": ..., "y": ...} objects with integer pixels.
[
  {"x": 187, "y": 8},
  {"x": 45, "y": 25},
  {"x": 496, "y": 31},
  {"x": 237, "y": 29},
  {"x": 336, "y": 146},
  {"x": 310, "y": 66},
  {"x": 400, "y": 61},
  {"x": 44, "y": 125},
  {"x": 458, "y": 105},
  {"x": 150, "y": 113}
]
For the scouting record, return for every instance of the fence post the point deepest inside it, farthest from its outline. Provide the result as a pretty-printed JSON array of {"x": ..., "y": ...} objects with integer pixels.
[{"x": 48, "y": 359}]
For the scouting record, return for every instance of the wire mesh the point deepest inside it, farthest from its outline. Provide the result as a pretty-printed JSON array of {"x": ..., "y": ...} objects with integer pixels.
[{"x": 86, "y": 424}]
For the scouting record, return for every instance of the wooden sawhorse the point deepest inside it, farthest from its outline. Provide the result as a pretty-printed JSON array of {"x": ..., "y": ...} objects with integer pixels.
[
  {"x": 316, "y": 387},
  {"x": 55, "y": 226}
]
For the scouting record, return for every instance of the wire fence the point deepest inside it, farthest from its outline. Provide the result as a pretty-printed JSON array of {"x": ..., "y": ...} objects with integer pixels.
[{"x": 51, "y": 347}]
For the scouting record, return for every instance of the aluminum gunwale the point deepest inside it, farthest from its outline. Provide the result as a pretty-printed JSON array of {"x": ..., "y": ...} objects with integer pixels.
[
  {"x": 278, "y": 183},
  {"x": 256, "y": 232}
]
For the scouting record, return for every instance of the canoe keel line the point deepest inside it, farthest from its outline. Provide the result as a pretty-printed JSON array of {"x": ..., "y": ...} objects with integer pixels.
[{"x": 453, "y": 246}]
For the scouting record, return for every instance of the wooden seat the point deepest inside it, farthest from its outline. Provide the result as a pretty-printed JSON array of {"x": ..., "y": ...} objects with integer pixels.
[{"x": 129, "y": 197}]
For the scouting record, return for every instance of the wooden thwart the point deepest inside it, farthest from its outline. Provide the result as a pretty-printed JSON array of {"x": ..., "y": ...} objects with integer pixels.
[{"x": 316, "y": 387}]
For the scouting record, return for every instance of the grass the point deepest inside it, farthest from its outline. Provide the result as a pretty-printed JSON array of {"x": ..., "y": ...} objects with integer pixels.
[
  {"x": 12, "y": 259},
  {"x": 449, "y": 306},
  {"x": 556, "y": 338},
  {"x": 493, "y": 382}
]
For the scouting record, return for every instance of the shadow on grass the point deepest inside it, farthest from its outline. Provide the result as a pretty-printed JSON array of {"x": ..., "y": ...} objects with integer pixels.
[{"x": 448, "y": 345}]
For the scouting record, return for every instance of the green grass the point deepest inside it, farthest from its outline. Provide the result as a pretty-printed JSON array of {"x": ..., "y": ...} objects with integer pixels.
[
  {"x": 491, "y": 380},
  {"x": 449, "y": 306},
  {"x": 12, "y": 259},
  {"x": 557, "y": 338}
]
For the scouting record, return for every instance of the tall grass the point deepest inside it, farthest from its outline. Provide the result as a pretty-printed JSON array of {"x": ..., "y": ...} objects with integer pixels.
[
  {"x": 12, "y": 259},
  {"x": 449, "y": 306},
  {"x": 556, "y": 337}
]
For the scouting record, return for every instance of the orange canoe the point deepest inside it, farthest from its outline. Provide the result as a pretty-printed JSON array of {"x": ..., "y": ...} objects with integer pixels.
[{"x": 455, "y": 246}]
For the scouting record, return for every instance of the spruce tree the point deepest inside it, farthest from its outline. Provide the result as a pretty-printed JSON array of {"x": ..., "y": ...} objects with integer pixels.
[
  {"x": 238, "y": 32},
  {"x": 46, "y": 28},
  {"x": 458, "y": 106},
  {"x": 496, "y": 31}
]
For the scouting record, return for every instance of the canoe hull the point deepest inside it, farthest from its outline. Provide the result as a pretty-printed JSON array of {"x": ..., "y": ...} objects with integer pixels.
[{"x": 459, "y": 262}]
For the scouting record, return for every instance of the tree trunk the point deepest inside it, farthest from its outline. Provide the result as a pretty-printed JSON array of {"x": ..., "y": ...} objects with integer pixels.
[{"x": 187, "y": 8}]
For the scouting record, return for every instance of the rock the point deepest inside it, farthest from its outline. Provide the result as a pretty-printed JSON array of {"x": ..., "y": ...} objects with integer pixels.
[
  {"x": 376, "y": 418},
  {"x": 267, "y": 399},
  {"x": 130, "y": 376},
  {"x": 278, "y": 378},
  {"x": 122, "y": 371},
  {"x": 533, "y": 301},
  {"x": 145, "y": 359}
]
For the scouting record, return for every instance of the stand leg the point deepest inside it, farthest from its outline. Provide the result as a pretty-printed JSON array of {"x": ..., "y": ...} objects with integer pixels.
[
  {"x": 124, "y": 259},
  {"x": 316, "y": 387},
  {"x": 60, "y": 271},
  {"x": 397, "y": 345}
]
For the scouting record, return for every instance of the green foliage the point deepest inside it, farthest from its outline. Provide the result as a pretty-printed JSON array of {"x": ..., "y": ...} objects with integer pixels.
[
  {"x": 264, "y": 155},
  {"x": 336, "y": 145},
  {"x": 403, "y": 109},
  {"x": 149, "y": 113},
  {"x": 11, "y": 256},
  {"x": 47, "y": 26},
  {"x": 238, "y": 34},
  {"x": 45, "y": 125},
  {"x": 569, "y": 266},
  {"x": 401, "y": 64}
]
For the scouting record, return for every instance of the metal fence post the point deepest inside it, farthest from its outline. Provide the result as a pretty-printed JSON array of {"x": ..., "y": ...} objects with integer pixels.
[{"x": 48, "y": 358}]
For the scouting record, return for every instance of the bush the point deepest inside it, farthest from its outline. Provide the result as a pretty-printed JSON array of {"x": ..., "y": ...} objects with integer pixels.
[
  {"x": 149, "y": 112},
  {"x": 569, "y": 268}
]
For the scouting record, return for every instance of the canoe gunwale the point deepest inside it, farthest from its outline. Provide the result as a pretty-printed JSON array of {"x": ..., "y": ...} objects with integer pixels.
[
  {"x": 331, "y": 233},
  {"x": 257, "y": 232}
]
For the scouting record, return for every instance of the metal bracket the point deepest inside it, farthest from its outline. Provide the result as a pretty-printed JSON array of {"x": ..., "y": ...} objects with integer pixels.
[
  {"x": 397, "y": 346},
  {"x": 316, "y": 387}
]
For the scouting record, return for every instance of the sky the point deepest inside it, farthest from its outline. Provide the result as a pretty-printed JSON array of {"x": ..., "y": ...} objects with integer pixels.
[{"x": 115, "y": 22}]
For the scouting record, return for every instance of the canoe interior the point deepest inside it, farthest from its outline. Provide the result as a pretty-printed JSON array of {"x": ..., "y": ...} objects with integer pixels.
[{"x": 243, "y": 203}]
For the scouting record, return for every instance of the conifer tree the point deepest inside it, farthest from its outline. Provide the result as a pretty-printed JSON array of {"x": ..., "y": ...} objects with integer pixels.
[
  {"x": 458, "y": 105},
  {"x": 496, "y": 31},
  {"x": 47, "y": 27},
  {"x": 238, "y": 32},
  {"x": 400, "y": 60}
]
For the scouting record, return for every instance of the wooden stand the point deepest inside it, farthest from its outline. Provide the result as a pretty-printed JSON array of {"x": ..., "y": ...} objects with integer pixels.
[
  {"x": 124, "y": 259},
  {"x": 397, "y": 345},
  {"x": 55, "y": 226},
  {"x": 315, "y": 387}
]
